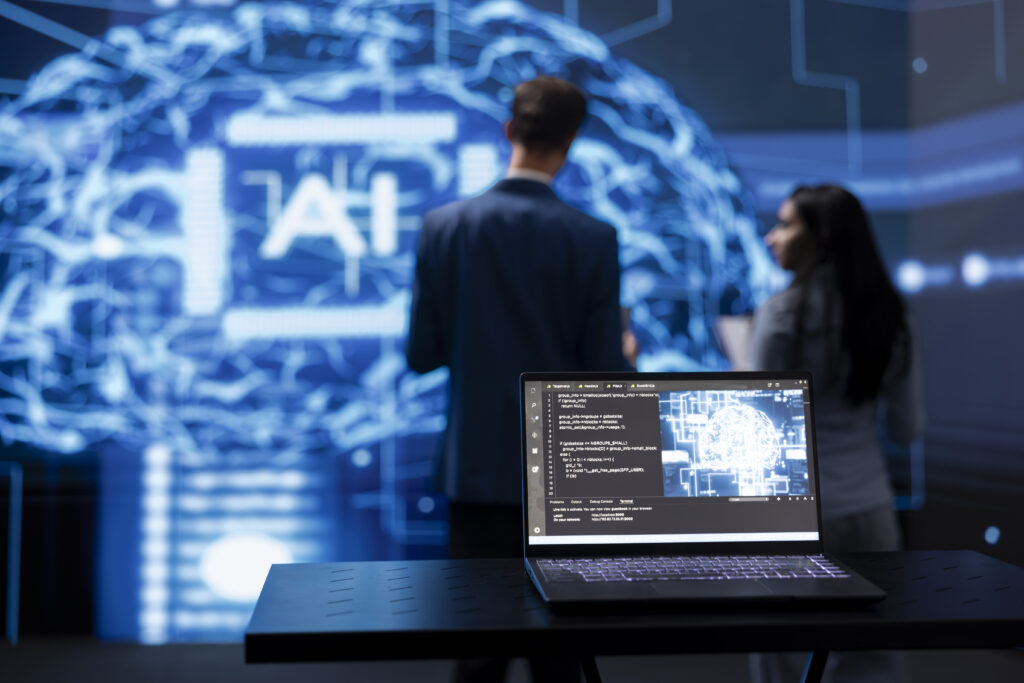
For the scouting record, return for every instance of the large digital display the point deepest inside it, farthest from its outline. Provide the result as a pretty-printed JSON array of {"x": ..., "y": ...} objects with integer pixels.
[
  {"x": 209, "y": 226},
  {"x": 208, "y": 210}
]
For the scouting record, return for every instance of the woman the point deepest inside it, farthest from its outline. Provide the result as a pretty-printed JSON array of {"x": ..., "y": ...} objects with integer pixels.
[{"x": 842, "y": 319}]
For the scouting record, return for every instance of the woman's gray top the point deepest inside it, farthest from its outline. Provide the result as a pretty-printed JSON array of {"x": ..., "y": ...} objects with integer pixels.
[{"x": 852, "y": 472}]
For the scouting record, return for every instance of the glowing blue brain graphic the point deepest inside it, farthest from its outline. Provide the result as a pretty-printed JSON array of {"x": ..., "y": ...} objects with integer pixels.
[
  {"x": 209, "y": 221},
  {"x": 740, "y": 438}
]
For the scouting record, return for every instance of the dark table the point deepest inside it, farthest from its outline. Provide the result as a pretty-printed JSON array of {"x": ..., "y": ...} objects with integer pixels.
[{"x": 450, "y": 609}]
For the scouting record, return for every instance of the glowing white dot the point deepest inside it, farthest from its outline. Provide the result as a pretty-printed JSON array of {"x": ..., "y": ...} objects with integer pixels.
[
  {"x": 292, "y": 480},
  {"x": 165, "y": 3},
  {"x": 425, "y": 505},
  {"x": 362, "y": 458},
  {"x": 70, "y": 442},
  {"x": 920, "y": 65},
  {"x": 156, "y": 525},
  {"x": 153, "y": 618},
  {"x": 974, "y": 270},
  {"x": 37, "y": 414},
  {"x": 157, "y": 455},
  {"x": 157, "y": 479},
  {"x": 155, "y": 597},
  {"x": 107, "y": 246},
  {"x": 156, "y": 503},
  {"x": 235, "y": 566},
  {"x": 910, "y": 276},
  {"x": 992, "y": 535},
  {"x": 153, "y": 572},
  {"x": 155, "y": 549}
]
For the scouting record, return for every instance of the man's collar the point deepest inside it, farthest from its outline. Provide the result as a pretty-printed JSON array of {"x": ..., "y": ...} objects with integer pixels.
[{"x": 529, "y": 174}]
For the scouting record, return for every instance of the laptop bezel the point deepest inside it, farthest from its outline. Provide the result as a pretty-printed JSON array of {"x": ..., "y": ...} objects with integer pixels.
[{"x": 638, "y": 549}]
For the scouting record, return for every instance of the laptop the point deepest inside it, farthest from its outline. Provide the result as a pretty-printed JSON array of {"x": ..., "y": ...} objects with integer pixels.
[{"x": 649, "y": 488}]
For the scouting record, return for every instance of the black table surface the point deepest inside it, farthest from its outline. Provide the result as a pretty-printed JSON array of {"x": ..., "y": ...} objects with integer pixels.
[{"x": 442, "y": 609}]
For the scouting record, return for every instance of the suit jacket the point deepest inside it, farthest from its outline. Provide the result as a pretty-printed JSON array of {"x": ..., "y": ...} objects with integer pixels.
[{"x": 510, "y": 281}]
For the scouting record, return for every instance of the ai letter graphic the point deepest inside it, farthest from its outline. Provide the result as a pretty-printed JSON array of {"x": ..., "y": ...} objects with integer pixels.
[
  {"x": 314, "y": 210},
  {"x": 209, "y": 225}
]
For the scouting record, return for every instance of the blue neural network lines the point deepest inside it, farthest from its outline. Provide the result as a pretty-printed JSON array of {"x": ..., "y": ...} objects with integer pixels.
[{"x": 208, "y": 228}]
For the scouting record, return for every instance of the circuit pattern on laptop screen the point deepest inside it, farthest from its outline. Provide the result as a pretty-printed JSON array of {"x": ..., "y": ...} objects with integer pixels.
[{"x": 733, "y": 443}]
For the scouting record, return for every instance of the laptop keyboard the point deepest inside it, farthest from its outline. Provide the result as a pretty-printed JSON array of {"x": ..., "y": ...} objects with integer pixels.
[{"x": 708, "y": 568}]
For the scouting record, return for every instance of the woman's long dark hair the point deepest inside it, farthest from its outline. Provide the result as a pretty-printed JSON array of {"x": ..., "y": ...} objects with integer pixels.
[{"x": 874, "y": 322}]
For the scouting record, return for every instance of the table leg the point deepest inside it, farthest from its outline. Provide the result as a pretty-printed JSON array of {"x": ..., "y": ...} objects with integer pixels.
[
  {"x": 590, "y": 672},
  {"x": 815, "y": 666}
]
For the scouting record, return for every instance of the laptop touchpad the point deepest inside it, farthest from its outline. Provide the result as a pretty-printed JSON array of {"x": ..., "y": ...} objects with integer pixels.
[{"x": 710, "y": 589}]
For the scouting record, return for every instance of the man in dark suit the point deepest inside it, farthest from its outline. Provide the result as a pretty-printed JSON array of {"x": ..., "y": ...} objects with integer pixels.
[{"x": 510, "y": 281}]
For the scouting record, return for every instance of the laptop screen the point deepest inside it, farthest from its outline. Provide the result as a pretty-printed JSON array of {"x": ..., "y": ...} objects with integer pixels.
[{"x": 668, "y": 458}]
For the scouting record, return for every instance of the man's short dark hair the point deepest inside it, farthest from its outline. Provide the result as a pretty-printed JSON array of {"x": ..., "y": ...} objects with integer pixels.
[{"x": 546, "y": 113}]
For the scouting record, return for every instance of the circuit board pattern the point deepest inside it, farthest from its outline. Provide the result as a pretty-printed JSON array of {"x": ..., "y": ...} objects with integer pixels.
[{"x": 733, "y": 443}]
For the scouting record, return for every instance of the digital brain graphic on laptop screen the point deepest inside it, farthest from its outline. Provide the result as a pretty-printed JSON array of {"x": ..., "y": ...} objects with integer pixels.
[{"x": 668, "y": 461}]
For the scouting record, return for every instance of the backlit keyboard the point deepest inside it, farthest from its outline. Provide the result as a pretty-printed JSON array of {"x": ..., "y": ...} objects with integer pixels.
[{"x": 707, "y": 568}]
